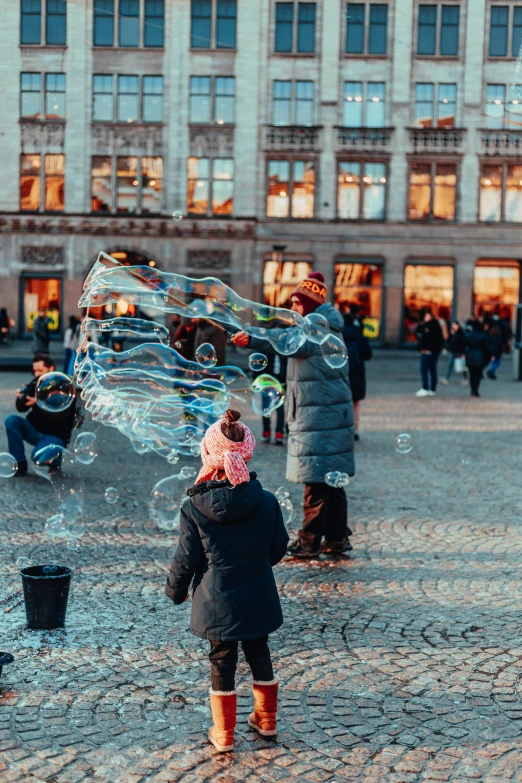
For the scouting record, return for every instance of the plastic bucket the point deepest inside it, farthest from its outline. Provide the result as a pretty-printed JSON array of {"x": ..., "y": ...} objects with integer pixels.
[{"x": 46, "y": 592}]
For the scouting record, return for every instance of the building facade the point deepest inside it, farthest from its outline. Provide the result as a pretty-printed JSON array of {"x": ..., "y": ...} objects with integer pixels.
[{"x": 379, "y": 142}]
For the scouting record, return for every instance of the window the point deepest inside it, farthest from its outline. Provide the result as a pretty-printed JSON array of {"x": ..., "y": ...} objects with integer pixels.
[
  {"x": 501, "y": 193},
  {"x": 220, "y": 36},
  {"x": 432, "y": 191},
  {"x": 152, "y": 98},
  {"x": 127, "y": 98},
  {"x": 224, "y": 99},
  {"x": 31, "y": 22},
  {"x": 516, "y": 39},
  {"x": 41, "y": 292},
  {"x": 500, "y": 112},
  {"x": 446, "y": 19},
  {"x": 103, "y": 23},
  {"x": 429, "y": 115},
  {"x": 151, "y": 184},
  {"x": 358, "y": 286},
  {"x": 364, "y": 105},
  {"x": 222, "y": 186},
  {"x": 127, "y": 184},
  {"x": 360, "y": 40},
  {"x": 426, "y": 285},
  {"x": 219, "y": 108},
  {"x": 361, "y": 191},
  {"x": 301, "y": 39},
  {"x": 291, "y": 186},
  {"x": 210, "y": 194},
  {"x": 280, "y": 278},
  {"x": 200, "y": 99},
  {"x": 55, "y": 22},
  {"x": 498, "y": 31},
  {"x": 198, "y": 186},
  {"x": 496, "y": 287},
  {"x": 153, "y": 28},
  {"x": 54, "y": 183},
  {"x": 101, "y": 184},
  {"x": 30, "y": 171},
  {"x": 301, "y": 111},
  {"x": 129, "y": 27},
  {"x": 103, "y": 106},
  {"x": 30, "y": 95},
  {"x": 55, "y": 96}
]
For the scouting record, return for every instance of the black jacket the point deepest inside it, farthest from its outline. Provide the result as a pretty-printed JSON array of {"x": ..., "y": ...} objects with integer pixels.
[
  {"x": 495, "y": 341},
  {"x": 359, "y": 352},
  {"x": 429, "y": 335},
  {"x": 60, "y": 424},
  {"x": 477, "y": 354},
  {"x": 457, "y": 342},
  {"x": 230, "y": 537}
]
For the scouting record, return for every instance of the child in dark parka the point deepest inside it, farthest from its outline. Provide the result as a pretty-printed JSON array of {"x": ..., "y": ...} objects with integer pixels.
[{"x": 231, "y": 535}]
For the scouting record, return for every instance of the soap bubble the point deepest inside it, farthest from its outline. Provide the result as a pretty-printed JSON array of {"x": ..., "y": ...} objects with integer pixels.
[
  {"x": 267, "y": 395},
  {"x": 8, "y": 465},
  {"x": 111, "y": 495},
  {"x": 403, "y": 444},
  {"x": 206, "y": 355},
  {"x": 139, "y": 447},
  {"x": 71, "y": 503},
  {"x": 257, "y": 362},
  {"x": 75, "y": 529},
  {"x": 85, "y": 448},
  {"x": 55, "y": 392},
  {"x": 47, "y": 459},
  {"x": 178, "y": 345},
  {"x": 287, "y": 510},
  {"x": 129, "y": 327},
  {"x": 319, "y": 329},
  {"x": 56, "y": 527},
  {"x": 177, "y": 216},
  {"x": 195, "y": 450},
  {"x": 22, "y": 562},
  {"x": 166, "y": 498},
  {"x": 49, "y": 569},
  {"x": 173, "y": 457},
  {"x": 335, "y": 478},
  {"x": 281, "y": 493},
  {"x": 187, "y": 472},
  {"x": 334, "y": 352}
]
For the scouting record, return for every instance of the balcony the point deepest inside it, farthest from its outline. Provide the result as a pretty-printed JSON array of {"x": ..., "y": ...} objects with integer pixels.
[
  {"x": 428, "y": 140},
  {"x": 501, "y": 142},
  {"x": 292, "y": 138},
  {"x": 364, "y": 139}
]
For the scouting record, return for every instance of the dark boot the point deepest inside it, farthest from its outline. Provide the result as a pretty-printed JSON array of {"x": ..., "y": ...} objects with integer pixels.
[
  {"x": 21, "y": 469},
  {"x": 306, "y": 546},
  {"x": 337, "y": 547}
]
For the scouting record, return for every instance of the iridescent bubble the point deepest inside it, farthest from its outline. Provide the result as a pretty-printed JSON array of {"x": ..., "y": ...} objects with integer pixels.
[
  {"x": 22, "y": 562},
  {"x": 334, "y": 352},
  {"x": 166, "y": 498},
  {"x": 403, "y": 444},
  {"x": 139, "y": 447},
  {"x": 8, "y": 465},
  {"x": 187, "y": 471},
  {"x": 257, "y": 362},
  {"x": 335, "y": 478},
  {"x": 55, "y": 392},
  {"x": 267, "y": 394},
  {"x": 173, "y": 457},
  {"x": 281, "y": 493},
  {"x": 287, "y": 510},
  {"x": 177, "y": 216},
  {"x": 48, "y": 459},
  {"x": 319, "y": 329},
  {"x": 111, "y": 495},
  {"x": 85, "y": 448},
  {"x": 206, "y": 355}
]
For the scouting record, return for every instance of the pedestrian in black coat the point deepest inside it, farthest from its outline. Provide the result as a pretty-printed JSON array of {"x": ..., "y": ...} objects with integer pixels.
[
  {"x": 456, "y": 344},
  {"x": 359, "y": 352},
  {"x": 431, "y": 342},
  {"x": 477, "y": 355},
  {"x": 231, "y": 535}
]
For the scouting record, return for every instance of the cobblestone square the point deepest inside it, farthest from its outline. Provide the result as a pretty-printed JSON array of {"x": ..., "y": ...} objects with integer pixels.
[{"x": 401, "y": 663}]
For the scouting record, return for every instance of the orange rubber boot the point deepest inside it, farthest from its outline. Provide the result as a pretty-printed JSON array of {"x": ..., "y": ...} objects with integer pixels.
[
  {"x": 264, "y": 717},
  {"x": 224, "y": 705}
]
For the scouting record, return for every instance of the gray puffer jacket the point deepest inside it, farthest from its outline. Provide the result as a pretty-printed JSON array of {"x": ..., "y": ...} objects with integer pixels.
[{"x": 319, "y": 410}]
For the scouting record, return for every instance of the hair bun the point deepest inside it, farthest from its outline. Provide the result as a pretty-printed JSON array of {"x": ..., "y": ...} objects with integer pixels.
[
  {"x": 316, "y": 276},
  {"x": 231, "y": 416}
]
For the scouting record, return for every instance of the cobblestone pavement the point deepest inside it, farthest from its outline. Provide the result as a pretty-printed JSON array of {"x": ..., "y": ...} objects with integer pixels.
[{"x": 402, "y": 663}]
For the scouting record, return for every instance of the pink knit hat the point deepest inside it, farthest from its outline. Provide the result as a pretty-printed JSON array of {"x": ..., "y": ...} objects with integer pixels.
[{"x": 219, "y": 452}]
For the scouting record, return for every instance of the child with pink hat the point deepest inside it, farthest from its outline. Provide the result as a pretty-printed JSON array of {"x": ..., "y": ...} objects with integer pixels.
[{"x": 231, "y": 535}]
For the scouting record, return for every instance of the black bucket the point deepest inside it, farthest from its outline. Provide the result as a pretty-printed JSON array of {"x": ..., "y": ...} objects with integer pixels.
[{"x": 46, "y": 592}]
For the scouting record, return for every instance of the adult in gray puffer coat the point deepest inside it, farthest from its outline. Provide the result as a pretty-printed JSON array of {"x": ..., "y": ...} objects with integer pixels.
[{"x": 319, "y": 413}]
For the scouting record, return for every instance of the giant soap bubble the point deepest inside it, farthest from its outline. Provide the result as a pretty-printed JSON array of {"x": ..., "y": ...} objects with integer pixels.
[
  {"x": 55, "y": 392},
  {"x": 267, "y": 394},
  {"x": 166, "y": 498}
]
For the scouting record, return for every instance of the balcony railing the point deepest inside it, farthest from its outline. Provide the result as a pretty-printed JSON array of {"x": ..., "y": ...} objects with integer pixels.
[
  {"x": 437, "y": 139},
  {"x": 363, "y": 139},
  {"x": 292, "y": 137},
  {"x": 501, "y": 142}
]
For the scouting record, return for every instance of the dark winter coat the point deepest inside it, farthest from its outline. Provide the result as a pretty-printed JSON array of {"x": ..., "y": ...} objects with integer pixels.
[
  {"x": 206, "y": 332},
  {"x": 495, "y": 341},
  {"x": 60, "y": 424},
  {"x": 230, "y": 537},
  {"x": 318, "y": 409},
  {"x": 184, "y": 340},
  {"x": 41, "y": 334},
  {"x": 457, "y": 342},
  {"x": 477, "y": 354},
  {"x": 429, "y": 335},
  {"x": 359, "y": 352}
]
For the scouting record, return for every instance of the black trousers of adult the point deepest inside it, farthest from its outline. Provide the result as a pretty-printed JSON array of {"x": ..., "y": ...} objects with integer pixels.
[
  {"x": 475, "y": 376},
  {"x": 325, "y": 513},
  {"x": 223, "y": 662}
]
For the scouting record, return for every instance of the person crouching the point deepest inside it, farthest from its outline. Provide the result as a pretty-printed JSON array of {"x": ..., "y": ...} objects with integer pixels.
[{"x": 231, "y": 535}]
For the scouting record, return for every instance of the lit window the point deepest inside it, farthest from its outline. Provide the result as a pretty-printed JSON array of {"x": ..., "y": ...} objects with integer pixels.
[
  {"x": 375, "y": 105},
  {"x": 222, "y": 186},
  {"x": 353, "y": 105},
  {"x": 127, "y": 184},
  {"x": 291, "y": 189},
  {"x": 30, "y": 183},
  {"x": 359, "y": 112},
  {"x": 432, "y": 191},
  {"x": 358, "y": 287},
  {"x": 30, "y": 95},
  {"x": 501, "y": 193},
  {"x": 151, "y": 179},
  {"x": 495, "y": 105},
  {"x": 101, "y": 184},
  {"x": 55, "y": 96},
  {"x": 103, "y": 110},
  {"x": 446, "y": 108},
  {"x": 361, "y": 190},
  {"x": 278, "y": 199},
  {"x": 54, "y": 183},
  {"x": 426, "y": 285},
  {"x": 152, "y": 98},
  {"x": 198, "y": 186}
]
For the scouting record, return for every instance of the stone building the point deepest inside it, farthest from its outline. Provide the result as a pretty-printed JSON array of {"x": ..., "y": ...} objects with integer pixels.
[{"x": 379, "y": 142}]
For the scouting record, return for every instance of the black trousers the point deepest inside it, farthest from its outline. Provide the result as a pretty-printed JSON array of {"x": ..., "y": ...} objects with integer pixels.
[
  {"x": 475, "y": 376},
  {"x": 325, "y": 513},
  {"x": 223, "y": 662}
]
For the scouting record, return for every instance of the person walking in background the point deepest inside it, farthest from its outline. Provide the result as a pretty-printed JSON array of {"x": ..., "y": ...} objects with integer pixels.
[
  {"x": 429, "y": 335},
  {"x": 456, "y": 345},
  {"x": 231, "y": 535},
  {"x": 70, "y": 344},
  {"x": 495, "y": 342},
  {"x": 276, "y": 367},
  {"x": 184, "y": 338},
  {"x": 319, "y": 414},
  {"x": 359, "y": 352},
  {"x": 477, "y": 355},
  {"x": 41, "y": 332},
  {"x": 207, "y": 332},
  {"x": 5, "y": 326}
]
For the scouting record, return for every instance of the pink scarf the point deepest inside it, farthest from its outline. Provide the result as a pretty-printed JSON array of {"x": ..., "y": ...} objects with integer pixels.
[{"x": 218, "y": 452}]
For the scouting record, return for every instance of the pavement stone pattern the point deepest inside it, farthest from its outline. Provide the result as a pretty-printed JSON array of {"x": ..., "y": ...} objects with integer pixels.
[{"x": 400, "y": 663}]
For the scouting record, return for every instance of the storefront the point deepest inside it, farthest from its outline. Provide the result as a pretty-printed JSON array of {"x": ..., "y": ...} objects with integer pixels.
[
  {"x": 39, "y": 291},
  {"x": 426, "y": 286},
  {"x": 496, "y": 287},
  {"x": 281, "y": 277},
  {"x": 358, "y": 287}
]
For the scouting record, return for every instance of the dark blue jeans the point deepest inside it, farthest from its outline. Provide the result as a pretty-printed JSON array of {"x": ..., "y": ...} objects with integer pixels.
[
  {"x": 280, "y": 420},
  {"x": 428, "y": 367},
  {"x": 19, "y": 429}
]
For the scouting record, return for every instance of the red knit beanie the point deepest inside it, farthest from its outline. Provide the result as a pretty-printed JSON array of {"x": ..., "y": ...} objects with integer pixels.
[{"x": 311, "y": 292}]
